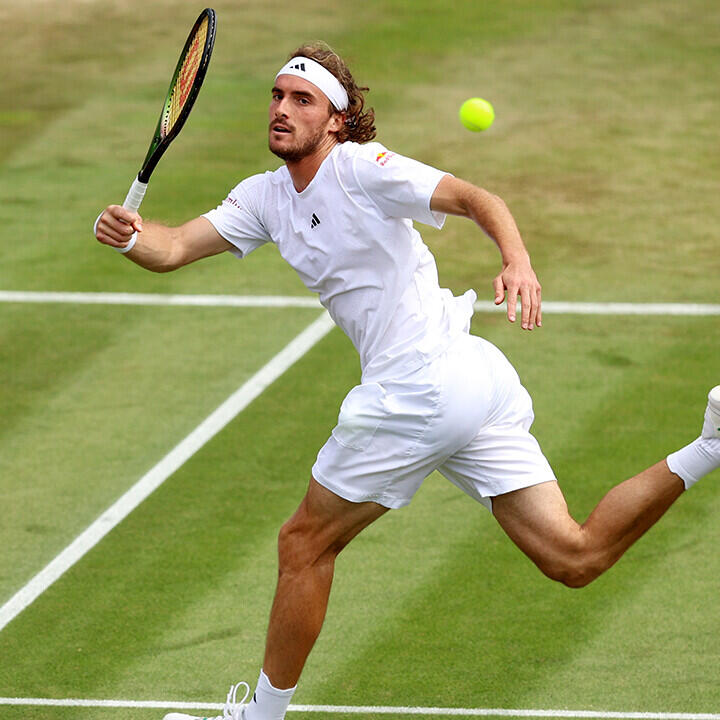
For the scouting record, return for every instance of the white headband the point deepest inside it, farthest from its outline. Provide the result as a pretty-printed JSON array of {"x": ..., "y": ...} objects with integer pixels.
[{"x": 316, "y": 74}]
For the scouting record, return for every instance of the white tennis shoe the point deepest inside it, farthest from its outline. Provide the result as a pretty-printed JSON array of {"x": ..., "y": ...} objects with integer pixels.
[
  {"x": 711, "y": 426},
  {"x": 233, "y": 709}
]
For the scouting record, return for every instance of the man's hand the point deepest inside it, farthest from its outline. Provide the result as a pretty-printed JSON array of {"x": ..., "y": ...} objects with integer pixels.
[
  {"x": 458, "y": 197},
  {"x": 158, "y": 248},
  {"x": 116, "y": 226},
  {"x": 519, "y": 279}
]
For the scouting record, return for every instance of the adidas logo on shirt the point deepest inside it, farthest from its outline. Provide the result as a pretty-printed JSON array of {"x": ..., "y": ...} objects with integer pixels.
[{"x": 314, "y": 221}]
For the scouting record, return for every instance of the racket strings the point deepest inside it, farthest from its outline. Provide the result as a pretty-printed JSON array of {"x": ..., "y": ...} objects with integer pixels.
[{"x": 185, "y": 78}]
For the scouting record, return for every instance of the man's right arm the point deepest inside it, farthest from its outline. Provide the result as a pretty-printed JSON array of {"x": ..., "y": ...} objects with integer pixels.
[{"x": 159, "y": 248}]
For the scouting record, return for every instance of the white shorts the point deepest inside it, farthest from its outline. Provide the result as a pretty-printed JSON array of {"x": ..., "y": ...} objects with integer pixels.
[{"x": 465, "y": 414}]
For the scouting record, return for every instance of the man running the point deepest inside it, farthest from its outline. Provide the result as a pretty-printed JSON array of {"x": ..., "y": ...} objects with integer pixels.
[{"x": 432, "y": 396}]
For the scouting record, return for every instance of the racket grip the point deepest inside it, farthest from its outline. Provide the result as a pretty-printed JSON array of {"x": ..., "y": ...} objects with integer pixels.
[{"x": 135, "y": 195}]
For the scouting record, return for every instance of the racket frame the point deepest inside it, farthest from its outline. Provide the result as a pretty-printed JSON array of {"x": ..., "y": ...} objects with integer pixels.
[{"x": 160, "y": 142}]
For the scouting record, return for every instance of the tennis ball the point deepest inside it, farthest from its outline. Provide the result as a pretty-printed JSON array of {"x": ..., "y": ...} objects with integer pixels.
[{"x": 477, "y": 114}]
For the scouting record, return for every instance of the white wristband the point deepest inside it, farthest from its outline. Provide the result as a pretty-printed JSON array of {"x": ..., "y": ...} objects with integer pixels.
[
  {"x": 129, "y": 246},
  {"x": 122, "y": 250}
]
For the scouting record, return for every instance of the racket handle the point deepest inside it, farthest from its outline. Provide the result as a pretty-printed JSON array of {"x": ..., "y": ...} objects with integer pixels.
[{"x": 135, "y": 195}]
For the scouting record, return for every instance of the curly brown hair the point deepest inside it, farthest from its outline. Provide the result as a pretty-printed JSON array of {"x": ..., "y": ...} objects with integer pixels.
[{"x": 359, "y": 123}]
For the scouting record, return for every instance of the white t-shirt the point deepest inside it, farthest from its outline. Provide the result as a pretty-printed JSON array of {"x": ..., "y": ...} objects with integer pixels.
[{"x": 349, "y": 236}]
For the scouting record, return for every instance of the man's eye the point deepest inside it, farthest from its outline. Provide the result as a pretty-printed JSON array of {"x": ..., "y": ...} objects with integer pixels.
[{"x": 304, "y": 101}]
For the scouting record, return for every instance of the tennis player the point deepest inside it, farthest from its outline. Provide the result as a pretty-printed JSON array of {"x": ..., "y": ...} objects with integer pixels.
[{"x": 340, "y": 211}]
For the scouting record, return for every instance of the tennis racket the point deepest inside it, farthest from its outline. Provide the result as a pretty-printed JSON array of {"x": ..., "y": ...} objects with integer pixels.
[{"x": 184, "y": 88}]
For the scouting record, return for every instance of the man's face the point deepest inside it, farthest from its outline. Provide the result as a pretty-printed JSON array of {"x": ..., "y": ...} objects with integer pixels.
[{"x": 300, "y": 118}]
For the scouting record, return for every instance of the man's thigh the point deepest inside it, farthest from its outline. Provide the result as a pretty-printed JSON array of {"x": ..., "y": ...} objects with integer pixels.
[{"x": 537, "y": 520}]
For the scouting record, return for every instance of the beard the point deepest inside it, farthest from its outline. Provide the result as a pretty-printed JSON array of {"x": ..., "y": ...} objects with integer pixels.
[{"x": 301, "y": 149}]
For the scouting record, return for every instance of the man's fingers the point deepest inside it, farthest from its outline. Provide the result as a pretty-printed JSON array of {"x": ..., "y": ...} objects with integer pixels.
[
  {"x": 520, "y": 282},
  {"x": 107, "y": 240},
  {"x": 114, "y": 229},
  {"x": 119, "y": 214},
  {"x": 499, "y": 287},
  {"x": 123, "y": 214},
  {"x": 116, "y": 226},
  {"x": 512, "y": 296},
  {"x": 539, "y": 307},
  {"x": 526, "y": 310},
  {"x": 110, "y": 237},
  {"x": 119, "y": 227},
  {"x": 534, "y": 318}
]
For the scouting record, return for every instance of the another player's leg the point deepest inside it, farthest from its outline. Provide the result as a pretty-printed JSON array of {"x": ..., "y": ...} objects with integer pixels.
[
  {"x": 308, "y": 544},
  {"x": 537, "y": 518}
]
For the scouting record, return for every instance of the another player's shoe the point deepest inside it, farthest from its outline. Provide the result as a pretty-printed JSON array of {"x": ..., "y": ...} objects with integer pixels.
[
  {"x": 233, "y": 709},
  {"x": 711, "y": 426}
]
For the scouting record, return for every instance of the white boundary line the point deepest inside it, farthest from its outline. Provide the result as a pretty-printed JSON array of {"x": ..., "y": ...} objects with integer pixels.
[
  {"x": 182, "y": 452},
  {"x": 276, "y": 301},
  {"x": 89, "y": 298},
  {"x": 372, "y": 709}
]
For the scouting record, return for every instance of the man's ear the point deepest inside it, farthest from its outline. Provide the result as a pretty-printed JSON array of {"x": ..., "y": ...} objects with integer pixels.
[{"x": 337, "y": 121}]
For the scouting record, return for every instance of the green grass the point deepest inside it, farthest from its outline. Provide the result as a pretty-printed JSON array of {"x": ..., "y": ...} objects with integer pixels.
[
  {"x": 98, "y": 396},
  {"x": 188, "y": 613},
  {"x": 604, "y": 147}
]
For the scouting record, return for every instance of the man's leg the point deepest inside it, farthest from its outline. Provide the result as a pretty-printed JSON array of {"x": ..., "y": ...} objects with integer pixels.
[
  {"x": 308, "y": 544},
  {"x": 538, "y": 521},
  {"x": 537, "y": 518}
]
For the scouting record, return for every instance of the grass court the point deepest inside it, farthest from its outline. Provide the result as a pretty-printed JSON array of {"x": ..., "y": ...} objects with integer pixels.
[{"x": 605, "y": 149}]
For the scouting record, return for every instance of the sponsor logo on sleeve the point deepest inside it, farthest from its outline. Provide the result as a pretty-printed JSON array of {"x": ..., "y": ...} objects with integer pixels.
[
  {"x": 384, "y": 157},
  {"x": 230, "y": 200}
]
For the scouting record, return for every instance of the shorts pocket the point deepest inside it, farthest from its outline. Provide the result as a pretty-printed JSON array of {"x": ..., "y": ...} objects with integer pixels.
[{"x": 361, "y": 413}]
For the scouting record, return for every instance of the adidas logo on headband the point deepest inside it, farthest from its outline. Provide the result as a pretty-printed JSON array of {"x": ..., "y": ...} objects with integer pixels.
[{"x": 319, "y": 76}]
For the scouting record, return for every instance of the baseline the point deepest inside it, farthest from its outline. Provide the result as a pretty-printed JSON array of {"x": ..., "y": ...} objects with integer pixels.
[
  {"x": 157, "y": 475},
  {"x": 371, "y": 709}
]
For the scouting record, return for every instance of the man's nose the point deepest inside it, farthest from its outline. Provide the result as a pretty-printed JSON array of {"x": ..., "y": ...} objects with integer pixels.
[{"x": 280, "y": 109}]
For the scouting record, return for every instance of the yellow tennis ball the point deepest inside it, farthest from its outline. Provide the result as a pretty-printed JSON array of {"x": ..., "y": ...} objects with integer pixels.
[{"x": 477, "y": 114}]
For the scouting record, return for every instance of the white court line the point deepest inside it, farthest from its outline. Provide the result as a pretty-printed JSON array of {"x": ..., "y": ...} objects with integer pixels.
[
  {"x": 182, "y": 452},
  {"x": 373, "y": 709},
  {"x": 274, "y": 301},
  {"x": 90, "y": 298},
  {"x": 614, "y": 308}
]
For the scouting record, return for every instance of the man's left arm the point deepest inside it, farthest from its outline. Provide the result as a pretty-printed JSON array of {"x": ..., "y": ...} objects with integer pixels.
[{"x": 457, "y": 197}]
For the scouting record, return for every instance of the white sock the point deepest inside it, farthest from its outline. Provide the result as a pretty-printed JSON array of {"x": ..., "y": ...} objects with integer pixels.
[
  {"x": 695, "y": 460},
  {"x": 268, "y": 703}
]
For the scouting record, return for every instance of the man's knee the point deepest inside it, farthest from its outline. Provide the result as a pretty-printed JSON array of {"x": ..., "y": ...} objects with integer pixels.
[
  {"x": 294, "y": 551},
  {"x": 573, "y": 577},
  {"x": 321, "y": 527},
  {"x": 301, "y": 546},
  {"x": 576, "y": 568}
]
